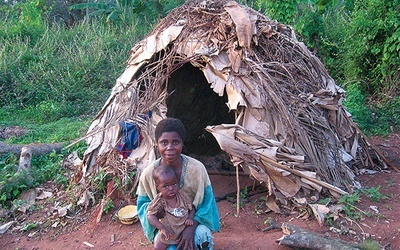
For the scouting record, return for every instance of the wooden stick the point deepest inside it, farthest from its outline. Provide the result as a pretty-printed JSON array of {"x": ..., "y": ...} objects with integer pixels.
[
  {"x": 377, "y": 150},
  {"x": 299, "y": 173},
  {"x": 227, "y": 173},
  {"x": 238, "y": 191},
  {"x": 86, "y": 136}
]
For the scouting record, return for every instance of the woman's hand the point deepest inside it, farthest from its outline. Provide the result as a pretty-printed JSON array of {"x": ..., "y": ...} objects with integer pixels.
[{"x": 186, "y": 239}]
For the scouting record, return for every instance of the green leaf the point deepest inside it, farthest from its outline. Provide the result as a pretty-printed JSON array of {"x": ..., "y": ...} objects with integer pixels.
[
  {"x": 15, "y": 192},
  {"x": 98, "y": 12},
  {"x": 113, "y": 16},
  {"x": 82, "y": 6}
]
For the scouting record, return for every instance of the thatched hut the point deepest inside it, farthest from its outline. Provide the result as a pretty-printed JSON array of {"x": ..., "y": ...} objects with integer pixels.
[{"x": 242, "y": 83}]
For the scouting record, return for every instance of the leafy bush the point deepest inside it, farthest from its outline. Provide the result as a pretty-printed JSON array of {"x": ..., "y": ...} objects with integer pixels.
[
  {"x": 373, "y": 45},
  {"x": 8, "y": 172},
  {"x": 24, "y": 19},
  {"x": 372, "y": 118},
  {"x": 356, "y": 104},
  {"x": 283, "y": 11},
  {"x": 47, "y": 168},
  {"x": 374, "y": 194}
]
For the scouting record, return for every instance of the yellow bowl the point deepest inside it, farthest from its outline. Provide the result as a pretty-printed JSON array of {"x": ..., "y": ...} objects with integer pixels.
[{"x": 128, "y": 214}]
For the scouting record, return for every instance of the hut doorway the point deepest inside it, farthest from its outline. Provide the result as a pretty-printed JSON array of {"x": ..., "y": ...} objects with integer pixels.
[{"x": 193, "y": 102}]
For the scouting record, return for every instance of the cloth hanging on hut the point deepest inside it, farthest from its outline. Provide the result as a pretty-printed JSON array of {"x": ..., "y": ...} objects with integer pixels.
[{"x": 130, "y": 138}]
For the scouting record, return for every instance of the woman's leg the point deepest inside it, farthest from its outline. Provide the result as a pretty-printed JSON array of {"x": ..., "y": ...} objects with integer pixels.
[
  {"x": 203, "y": 238},
  {"x": 171, "y": 247}
]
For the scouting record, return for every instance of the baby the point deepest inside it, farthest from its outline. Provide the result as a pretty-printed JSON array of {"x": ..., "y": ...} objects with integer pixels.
[{"x": 178, "y": 210}]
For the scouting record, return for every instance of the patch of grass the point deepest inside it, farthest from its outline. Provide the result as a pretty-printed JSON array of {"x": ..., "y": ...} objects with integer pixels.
[
  {"x": 349, "y": 207},
  {"x": 66, "y": 72},
  {"x": 350, "y": 202},
  {"x": 45, "y": 167},
  {"x": 389, "y": 183},
  {"x": 350, "y": 198},
  {"x": 374, "y": 194},
  {"x": 29, "y": 226},
  {"x": 61, "y": 130},
  {"x": 243, "y": 198},
  {"x": 369, "y": 245}
]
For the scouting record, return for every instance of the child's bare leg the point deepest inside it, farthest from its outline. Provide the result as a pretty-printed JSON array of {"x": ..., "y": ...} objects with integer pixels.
[{"x": 159, "y": 245}]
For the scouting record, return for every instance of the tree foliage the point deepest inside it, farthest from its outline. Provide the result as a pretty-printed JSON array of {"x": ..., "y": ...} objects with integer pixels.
[{"x": 373, "y": 45}]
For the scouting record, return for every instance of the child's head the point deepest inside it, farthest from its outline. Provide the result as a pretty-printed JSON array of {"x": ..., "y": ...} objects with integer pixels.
[{"x": 166, "y": 181}]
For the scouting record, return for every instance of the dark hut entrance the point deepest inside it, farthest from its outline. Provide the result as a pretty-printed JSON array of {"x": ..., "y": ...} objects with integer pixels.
[{"x": 197, "y": 106}]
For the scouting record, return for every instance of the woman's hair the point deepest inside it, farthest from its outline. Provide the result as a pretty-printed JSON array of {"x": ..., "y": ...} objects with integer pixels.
[
  {"x": 163, "y": 170},
  {"x": 170, "y": 125}
]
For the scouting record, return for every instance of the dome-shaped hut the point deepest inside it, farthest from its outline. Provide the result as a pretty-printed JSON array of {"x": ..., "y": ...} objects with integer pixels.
[{"x": 242, "y": 83}]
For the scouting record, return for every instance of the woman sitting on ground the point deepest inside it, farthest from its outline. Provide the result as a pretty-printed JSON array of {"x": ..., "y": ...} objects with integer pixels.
[{"x": 194, "y": 181}]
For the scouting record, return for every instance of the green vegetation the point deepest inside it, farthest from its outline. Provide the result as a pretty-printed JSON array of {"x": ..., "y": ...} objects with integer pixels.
[
  {"x": 374, "y": 194},
  {"x": 59, "y": 61},
  {"x": 146, "y": 12},
  {"x": 12, "y": 183},
  {"x": 43, "y": 168},
  {"x": 62, "y": 130},
  {"x": 359, "y": 42},
  {"x": 109, "y": 205},
  {"x": 29, "y": 226},
  {"x": 349, "y": 207},
  {"x": 67, "y": 73},
  {"x": 350, "y": 201},
  {"x": 369, "y": 244}
]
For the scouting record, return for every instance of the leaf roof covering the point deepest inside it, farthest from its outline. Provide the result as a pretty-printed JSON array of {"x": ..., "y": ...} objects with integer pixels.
[{"x": 291, "y": 131}]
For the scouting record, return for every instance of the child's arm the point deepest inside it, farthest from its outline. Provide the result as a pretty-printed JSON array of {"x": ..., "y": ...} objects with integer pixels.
[
  {"x": 189, "y": 220},
  {"x": 157, "y": 224}
]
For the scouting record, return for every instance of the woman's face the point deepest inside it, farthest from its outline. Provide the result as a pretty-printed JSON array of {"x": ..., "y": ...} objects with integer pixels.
[{"x": 170, "y": 146}]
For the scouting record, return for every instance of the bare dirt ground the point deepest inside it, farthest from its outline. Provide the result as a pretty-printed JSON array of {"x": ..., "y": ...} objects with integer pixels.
[{"x": 379, "y": 221}]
